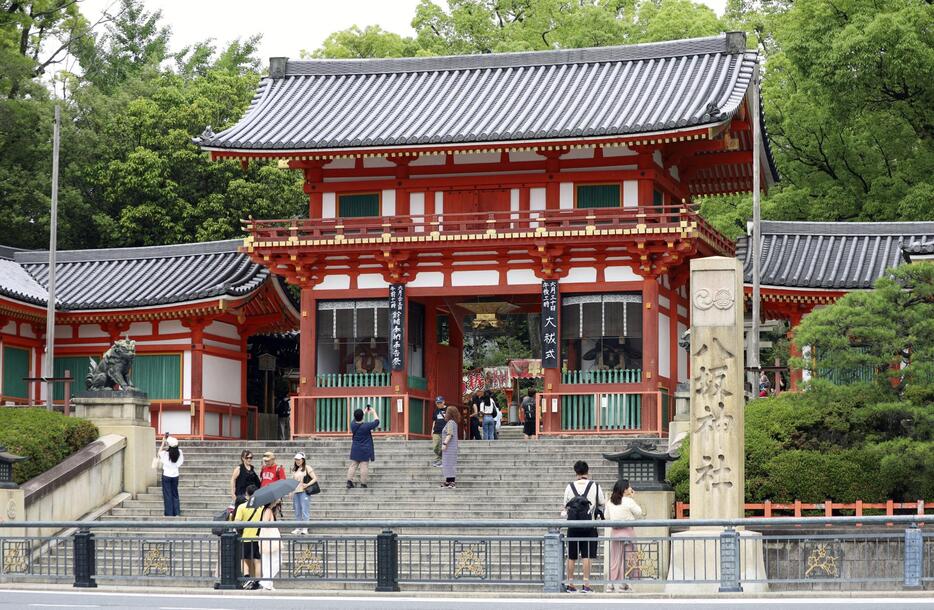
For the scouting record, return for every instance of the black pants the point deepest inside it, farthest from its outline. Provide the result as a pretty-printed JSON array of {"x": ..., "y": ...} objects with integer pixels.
[{"x": 474, "y": 429}]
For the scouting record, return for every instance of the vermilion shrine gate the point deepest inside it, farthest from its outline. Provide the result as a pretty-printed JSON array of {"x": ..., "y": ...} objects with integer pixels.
[{"x": 437, "y": 180}]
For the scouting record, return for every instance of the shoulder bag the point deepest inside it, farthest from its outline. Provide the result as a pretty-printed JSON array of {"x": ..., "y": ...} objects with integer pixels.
[{"x": 312, "y": 489}]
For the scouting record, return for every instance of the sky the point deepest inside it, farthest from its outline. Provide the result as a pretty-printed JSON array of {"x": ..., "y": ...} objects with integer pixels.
[{"x": 287, "y": 26}]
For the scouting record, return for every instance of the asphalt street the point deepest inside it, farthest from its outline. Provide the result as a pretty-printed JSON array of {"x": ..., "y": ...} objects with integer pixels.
[{"x": 22, "y": 600}]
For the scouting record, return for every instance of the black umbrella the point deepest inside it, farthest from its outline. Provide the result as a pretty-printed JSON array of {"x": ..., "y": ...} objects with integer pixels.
[{"x": 272, "y": 492}]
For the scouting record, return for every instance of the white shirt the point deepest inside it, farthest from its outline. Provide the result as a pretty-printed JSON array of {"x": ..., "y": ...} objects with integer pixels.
[
  {"x": 595, "y": 494},
  {"x": 627, "y": 510},
  {"x": 170, "y": 468}
]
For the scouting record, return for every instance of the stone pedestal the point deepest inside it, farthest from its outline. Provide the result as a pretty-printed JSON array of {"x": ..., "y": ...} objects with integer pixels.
[
  {"x": 681, "y": 424},
  {"x": 126, "y": 414},
  {"x": 12, "y": 508},
  {"x": 695, "y": 556}
]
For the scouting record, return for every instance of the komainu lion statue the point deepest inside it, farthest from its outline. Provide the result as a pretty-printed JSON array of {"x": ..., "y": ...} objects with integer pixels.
[{"x": 114, "y": 368}]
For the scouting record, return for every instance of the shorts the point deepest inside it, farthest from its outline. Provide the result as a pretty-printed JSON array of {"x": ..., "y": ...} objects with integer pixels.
[
  {"x": 251, "y": 550},
  {"x": 585, "y": 549}
]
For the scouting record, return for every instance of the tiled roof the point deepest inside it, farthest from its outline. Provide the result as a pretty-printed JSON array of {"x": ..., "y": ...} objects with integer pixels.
[
  {"x": 831, "y": 255},
  {"x": 17, "y": 284},
  {"x": 334, "y": 104},
  {"x": 137, "y": 277}
]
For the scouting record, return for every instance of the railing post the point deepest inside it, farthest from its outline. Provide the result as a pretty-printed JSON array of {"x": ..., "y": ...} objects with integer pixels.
[
  {"x": 230, "y": 561},
  {"x": 387, "y": 562},
  {"x": 553, "y": 561},
  {"x": 914, "y": 556},
  {"x": 729, "y": 562},
  {"x": 84, "y": 559}
]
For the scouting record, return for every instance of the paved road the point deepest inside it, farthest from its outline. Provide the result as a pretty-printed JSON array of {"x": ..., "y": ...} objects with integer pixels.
[{"x": 39, "y": 600}]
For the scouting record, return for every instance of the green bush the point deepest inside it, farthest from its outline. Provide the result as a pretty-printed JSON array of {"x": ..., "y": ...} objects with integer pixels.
[
  {"x": 841, "y": 443},
  {"x": 45, "y": 437}
]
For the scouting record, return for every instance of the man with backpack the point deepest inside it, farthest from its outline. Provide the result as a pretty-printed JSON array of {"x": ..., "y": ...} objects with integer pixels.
[{"x": 582, "y": 498}]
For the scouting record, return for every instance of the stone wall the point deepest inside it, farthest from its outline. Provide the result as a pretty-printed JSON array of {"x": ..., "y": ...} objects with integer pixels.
[{"x": 86, "y": 480}]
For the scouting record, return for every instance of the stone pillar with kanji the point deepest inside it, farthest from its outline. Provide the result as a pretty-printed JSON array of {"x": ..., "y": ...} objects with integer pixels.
[{"x": 717, "y": 439}]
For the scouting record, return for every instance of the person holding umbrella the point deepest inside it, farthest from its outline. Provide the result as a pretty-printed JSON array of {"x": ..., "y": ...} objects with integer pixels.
[
  {"x": 250, "y": 555},
  {"x": 361, "y": 449}
]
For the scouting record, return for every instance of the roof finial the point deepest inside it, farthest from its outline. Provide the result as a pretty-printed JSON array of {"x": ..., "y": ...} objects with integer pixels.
[{"x": 277, "y": 66}]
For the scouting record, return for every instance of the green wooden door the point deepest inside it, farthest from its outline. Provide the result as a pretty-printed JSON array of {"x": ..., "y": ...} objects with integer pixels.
[
  {"x": 15, "y": 367},
  {"x": 77, "y": 366},
  {"x": 159, "y": 375}
]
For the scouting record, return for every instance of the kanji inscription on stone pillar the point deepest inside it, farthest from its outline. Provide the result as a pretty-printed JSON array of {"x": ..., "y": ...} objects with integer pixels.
[{"x": 717, "y": 439}]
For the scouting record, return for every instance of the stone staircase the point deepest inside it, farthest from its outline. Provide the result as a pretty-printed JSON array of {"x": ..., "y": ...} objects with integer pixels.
[{"x": 506, "y": 479}]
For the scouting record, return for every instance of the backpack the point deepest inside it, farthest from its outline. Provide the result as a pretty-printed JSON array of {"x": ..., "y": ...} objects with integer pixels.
[
  {"x": 578, "y": 507},
  {"x": 225, "y": 515}
]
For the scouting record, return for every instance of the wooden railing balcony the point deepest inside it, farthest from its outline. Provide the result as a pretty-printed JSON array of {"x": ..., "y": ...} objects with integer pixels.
[
  {"x": 484, "y": 225},
  {"x": 602, "y": 376}
]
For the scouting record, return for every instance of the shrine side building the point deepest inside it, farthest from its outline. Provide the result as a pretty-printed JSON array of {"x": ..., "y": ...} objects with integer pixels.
[{"x": 558, "y": 182}]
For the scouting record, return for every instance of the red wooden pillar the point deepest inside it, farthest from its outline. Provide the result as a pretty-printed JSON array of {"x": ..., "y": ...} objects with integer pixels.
[
  {"x": 304, "y": 417},
  {"x": 314, "y": 178},
  {"x": 650, "y": 332}
]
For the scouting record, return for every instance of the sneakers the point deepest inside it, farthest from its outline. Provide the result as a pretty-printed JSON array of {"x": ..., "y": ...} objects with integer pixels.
[
  {"x": 363, "y": 485},
  {"x": 436, "y": 463},
  {"x": 447, "y": 485},
  {"x": 586, "y": 589},
  {"x": 350, "y": 485},
  {"x": 251, "y": 585},
  {"x": 297, "y": 530},
  {"x": 570, "y": 589}
]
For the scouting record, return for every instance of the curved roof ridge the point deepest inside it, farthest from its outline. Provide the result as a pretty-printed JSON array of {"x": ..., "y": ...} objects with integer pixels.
[
  {"x": 730, "y": 42},
  {"x": 847, "y": 228},
  {"x": 129, "y": 253}
]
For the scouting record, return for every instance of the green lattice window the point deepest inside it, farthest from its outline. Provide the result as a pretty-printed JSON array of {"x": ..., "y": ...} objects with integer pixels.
[
  {"x": 15, "y": 367},
  {"x": 159, "y": 375},
  {"x": 598, "y": 196},
  {"x": 356, "y": 205}
]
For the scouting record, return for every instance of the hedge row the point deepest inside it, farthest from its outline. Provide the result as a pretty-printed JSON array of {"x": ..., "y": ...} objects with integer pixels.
[
  {"x": 833, "y": 443},
  {"x": 45, "y": 437}
]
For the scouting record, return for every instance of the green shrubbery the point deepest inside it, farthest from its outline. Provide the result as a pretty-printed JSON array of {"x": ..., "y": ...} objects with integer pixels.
[
  {"x": 45, "y": 437},
  {"x": 841, "y": 443}
]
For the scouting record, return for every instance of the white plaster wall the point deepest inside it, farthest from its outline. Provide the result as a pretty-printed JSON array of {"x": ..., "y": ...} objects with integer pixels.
[
  {"x": 664, "y": 345},
  {"x": 220, "y": 344},
  {"x": 474, "y": 278},
  {"x": 514, "y": 200},
  {"x": 580, "y": 274},
  {"x": 91, "y": 330},
  {"x": 657, "y": 156},
  {"x": 461, "y": 159},
  {"x": 417, "y": 209},
  {"x": 377, "y": 162},
  {"x": 25, "y": 330},
  {"x": 620, "y": 274},
  {"x": 524, "y": 155},
  {"x": 346, "y": 163},
  {"x": 566, "y": 195},
  {"x": 223, "y": 329},
  {"x": 169, "y": 327},
  {"x": 439, "y": 202},
  {"x": 521, "y": 276},
  {"x": 221, "y": 379},
  {"x": 428, "y": 279},
  {"x": 212, "y": 424},
  {"x": 62, "y": 332},
  {"x": 389, "y": 202},
  {"x": 630, "y": 193},
  {"x": 138, "y": 329},
  {"x": 329, "y": 205},
  {"x": 428, "y": 160},
  {"x": 682, "y": 355},
  {"x": 682, "y": 311},
  {"x": 10, "y": 328},
  {"x": 537, "y": 199},
  {"x": 371, "y": 280},
  {"x": 334, "y": 282},
  {"x": 186, "y": 375},
  {"x": 663, "y": 301},
  {"x": 177, "y": 422},
  {"x": 171, "y": 342},
  {"x": 618, "y": 151},
  {"x": 674, "y": 173},
  {"x": 579, "y": 153}
]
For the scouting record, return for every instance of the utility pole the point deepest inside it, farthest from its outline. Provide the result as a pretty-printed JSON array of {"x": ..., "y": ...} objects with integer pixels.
[
  {"x": 53, "y": 243},
  {"x": 756, "y": 229}
]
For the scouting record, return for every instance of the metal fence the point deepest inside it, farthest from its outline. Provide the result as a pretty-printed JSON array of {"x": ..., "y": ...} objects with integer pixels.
[{"x": 883, "y": 552}]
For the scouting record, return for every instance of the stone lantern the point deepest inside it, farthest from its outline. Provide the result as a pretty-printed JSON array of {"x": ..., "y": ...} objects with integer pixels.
[
  {"x": 643, "y": 466},
  {"x": 6, "y": 468}
]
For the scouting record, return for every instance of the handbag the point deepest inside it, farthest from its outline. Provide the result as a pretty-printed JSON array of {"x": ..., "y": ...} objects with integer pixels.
[
  {"x": 156, "y": 462},
  {"x": 313, "y": 489}
]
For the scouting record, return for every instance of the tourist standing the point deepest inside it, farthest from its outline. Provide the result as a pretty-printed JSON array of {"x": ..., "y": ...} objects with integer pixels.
[
  {"x": 581, "y": 498},
  {"x": 475, "y": 416},
  {"x": 437, "y": 427},
  {"x": 361, "y": 448},
  {"x": 270, "y": 547},
  {"x": 271, "y": 471},
  {"x": 301, "y": 501},
  {"x": 622, "y": 507},
  {"x": 171, "y": 458},
  {"x": 283, "y": 416},
  {"x": 528, "y": 415},
  {"x": 449, "y": 448},
  {"x": 243, "y": 476},
  {"x": 488, "y": 411},
  {"x": 250, "y": 554}
]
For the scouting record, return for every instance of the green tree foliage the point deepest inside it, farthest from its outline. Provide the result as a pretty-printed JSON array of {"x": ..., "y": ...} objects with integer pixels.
[
  {"x": 889, "y": 330},
  {"x": 842, "y": 443}
]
